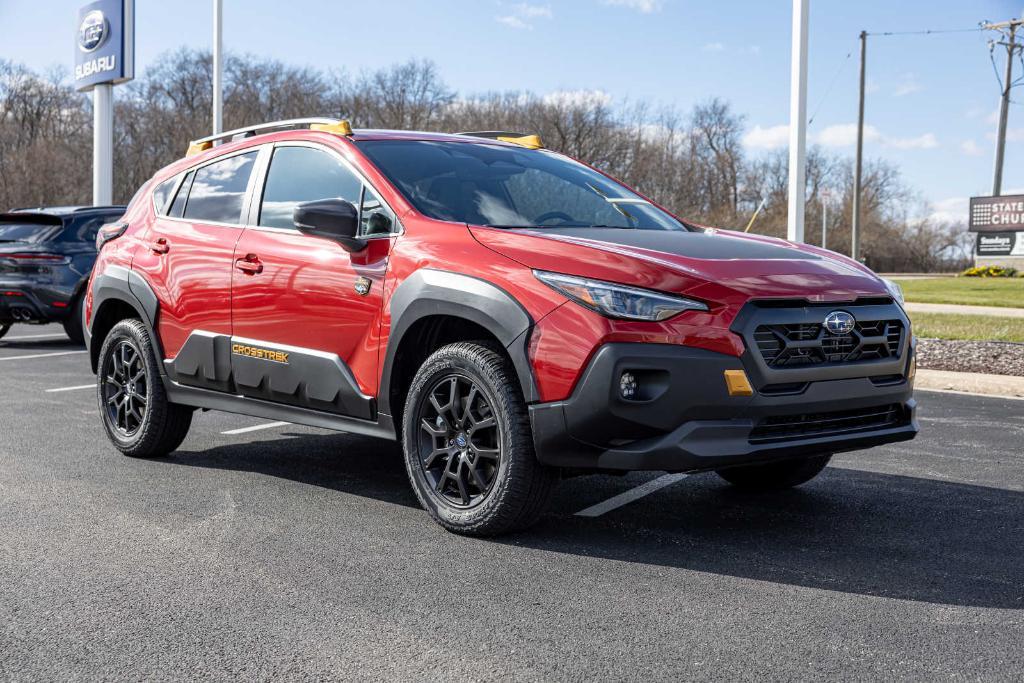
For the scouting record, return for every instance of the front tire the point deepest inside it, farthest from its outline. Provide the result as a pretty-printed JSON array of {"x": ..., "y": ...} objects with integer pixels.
[
  {"x": 775, "y": 476},
  {"x": 138, "y": 418},
  {"x": 468, "y": 443}
]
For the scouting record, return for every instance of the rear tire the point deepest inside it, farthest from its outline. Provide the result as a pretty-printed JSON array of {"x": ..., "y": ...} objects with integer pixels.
[
  {"x": 468, "y": 444},
  {"x": 775, "y": 476},
  {"x": 138, "y": 418},
  {"x": 73, "y": 323}
]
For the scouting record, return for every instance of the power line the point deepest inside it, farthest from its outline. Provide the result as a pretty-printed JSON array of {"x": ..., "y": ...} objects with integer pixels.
[
  {"x": 928, "y": 32},
  {"x": 828, "y": 90}
]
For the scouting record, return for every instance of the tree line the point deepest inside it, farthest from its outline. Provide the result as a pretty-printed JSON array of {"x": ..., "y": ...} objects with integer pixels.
[{"x": 693, "y": 162}]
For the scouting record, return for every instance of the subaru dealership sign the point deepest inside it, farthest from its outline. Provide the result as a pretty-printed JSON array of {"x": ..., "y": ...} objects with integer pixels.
[{"x": 105, "y": 43}]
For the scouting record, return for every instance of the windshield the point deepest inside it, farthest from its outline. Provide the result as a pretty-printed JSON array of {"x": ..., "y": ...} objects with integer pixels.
[
  {"x": 507, "y": 187},
  {"x": 25, "y": 232}
]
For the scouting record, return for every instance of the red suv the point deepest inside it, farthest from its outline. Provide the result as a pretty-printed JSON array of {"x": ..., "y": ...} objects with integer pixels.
[{"x": 508, "y": 314}]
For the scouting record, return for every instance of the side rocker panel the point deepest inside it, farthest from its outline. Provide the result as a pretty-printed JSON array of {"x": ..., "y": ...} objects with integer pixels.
[
  {"x": 308, "y": 378},
  {"x": 430, "y": 292}
]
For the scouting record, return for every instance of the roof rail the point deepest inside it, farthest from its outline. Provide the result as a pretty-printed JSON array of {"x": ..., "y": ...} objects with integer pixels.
[
  {"x": 528, "y": 140},
  {"x": 339, "y": 126}
]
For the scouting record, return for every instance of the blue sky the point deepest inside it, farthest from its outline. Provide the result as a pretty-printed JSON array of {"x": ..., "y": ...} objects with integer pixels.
[{"x": 931, "y": 99}]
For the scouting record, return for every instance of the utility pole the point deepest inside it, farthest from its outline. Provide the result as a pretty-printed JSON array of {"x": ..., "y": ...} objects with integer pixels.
[
  {"x": 798, "y": 122},
  {"x": 859, "y": 163},
  {"x": 218, "y": 67},
  {"x": 1004, "y": 104}
]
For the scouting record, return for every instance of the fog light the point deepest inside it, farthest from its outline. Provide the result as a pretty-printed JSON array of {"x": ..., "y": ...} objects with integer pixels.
[{"x": 627, "y": 385}]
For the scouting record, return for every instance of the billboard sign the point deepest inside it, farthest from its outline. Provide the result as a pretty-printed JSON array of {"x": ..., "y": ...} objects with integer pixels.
[
  {"x": 997, "y": 214},
  {"x": 1000, "y": 244},
  {"x": 105, "y": 43}
]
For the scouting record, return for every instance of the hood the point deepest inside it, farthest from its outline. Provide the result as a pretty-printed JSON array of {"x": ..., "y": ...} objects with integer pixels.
[{"x": 714, "y": 264}]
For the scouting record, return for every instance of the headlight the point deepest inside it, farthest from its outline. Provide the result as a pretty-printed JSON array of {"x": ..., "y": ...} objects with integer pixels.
[
  {"x": 894, "y": 289},
  {"x": 619, "y": 301}
]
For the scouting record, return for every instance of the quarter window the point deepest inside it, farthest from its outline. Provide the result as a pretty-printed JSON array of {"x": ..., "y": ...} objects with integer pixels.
[
  {"x": 303, "y": 174},
  {"x": 375, "y": 218},
  {"x": 162, "y": 194},
  {"x": 178, "y": 205},
  {"x": 218, "y": 190}
]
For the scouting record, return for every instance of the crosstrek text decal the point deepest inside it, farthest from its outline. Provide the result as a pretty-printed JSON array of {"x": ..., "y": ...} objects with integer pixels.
[{"x": 256, "y": 352}]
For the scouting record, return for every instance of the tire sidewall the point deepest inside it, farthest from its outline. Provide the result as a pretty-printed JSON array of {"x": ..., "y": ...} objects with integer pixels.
[
  {"x": 430, "y": 373},
  {"x": 131, "y": 331}
]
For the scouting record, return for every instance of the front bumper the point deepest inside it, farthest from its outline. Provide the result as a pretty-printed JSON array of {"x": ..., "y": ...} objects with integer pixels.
[{"x": 685, "y": 419}]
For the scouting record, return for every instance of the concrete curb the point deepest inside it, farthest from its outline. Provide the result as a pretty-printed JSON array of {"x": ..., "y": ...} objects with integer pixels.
[
  {"x": 1004, "y": 386},
  {"x": 958, "y": 309}
]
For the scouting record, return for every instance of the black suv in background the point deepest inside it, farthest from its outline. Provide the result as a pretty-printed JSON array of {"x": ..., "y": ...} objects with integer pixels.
[{"x": 46, "y": 255}]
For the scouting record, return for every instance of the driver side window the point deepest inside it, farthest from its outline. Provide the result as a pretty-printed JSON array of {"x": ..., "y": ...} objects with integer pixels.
[{"x": 304, "y": 174}]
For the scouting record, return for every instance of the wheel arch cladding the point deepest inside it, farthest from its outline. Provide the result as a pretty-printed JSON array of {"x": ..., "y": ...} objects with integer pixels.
[
  {"x": 436, "y": 293},
  {"x": 119, "y": 293}
]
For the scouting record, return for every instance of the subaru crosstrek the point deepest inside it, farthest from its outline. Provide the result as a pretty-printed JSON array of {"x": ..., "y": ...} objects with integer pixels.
[
  {"x": 46, "y": 256},
  {"x": 508, "y": 314}
]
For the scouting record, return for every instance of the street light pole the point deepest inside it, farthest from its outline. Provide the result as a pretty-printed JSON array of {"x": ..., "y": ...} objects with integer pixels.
[
  {"x": 859, "y": 163},
  {"x": 798, "y": 122},
  {"x": 218, "y": 67},
  {"x": 103, "y": 144}
]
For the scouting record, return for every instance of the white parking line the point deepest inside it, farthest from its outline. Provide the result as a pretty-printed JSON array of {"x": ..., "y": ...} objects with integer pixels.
[
  {"x": 631, "y": 495},
  {"x": 970, "y": 393},
  {"x": 34, "y": 336},
  {"x": 42, "y": 355},
  {"x": 80, "y": 386},
  {"x": 254, "y": 428}
]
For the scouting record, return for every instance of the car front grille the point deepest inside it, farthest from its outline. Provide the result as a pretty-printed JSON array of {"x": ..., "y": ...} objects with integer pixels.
[
  {"x": 813, "y": 425},
  {"x": 793, "y": 345}
]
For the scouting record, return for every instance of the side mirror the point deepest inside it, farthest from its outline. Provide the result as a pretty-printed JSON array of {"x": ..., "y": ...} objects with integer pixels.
[{"x": 335, "y": 219}]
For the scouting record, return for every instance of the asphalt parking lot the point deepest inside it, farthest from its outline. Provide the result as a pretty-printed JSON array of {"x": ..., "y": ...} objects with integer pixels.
[{"x": 283, "y": 551}]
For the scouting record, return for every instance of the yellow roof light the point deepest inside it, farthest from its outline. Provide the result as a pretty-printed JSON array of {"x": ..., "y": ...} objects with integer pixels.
[
  {"x": 527, "y": 141},
  {"x": 197, "y": 147},
  {"x": 342, "y": 127}
]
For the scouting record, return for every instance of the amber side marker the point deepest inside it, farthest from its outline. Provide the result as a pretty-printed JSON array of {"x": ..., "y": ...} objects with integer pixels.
[{"x": 737, "y": 383}]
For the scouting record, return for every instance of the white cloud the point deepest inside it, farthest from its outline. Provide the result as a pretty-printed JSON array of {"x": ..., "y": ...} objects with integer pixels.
[
  {"x": 907, "y": 86},
  {"x": 838, "y": 135},
  {"x": 523, "y": 14},
  {"x": 971, "y": 148},
  {"x": 642, "y": 6},
  {"x": 773, "y": 137},
  {"x": 713, "y": 47},
  {"x": 578, "y": 98},
  {"x": 844, "y": 135},
  {"x": 1012, "y": 135},
  {"x": 926, "y": 141},
  {"x": 952, "y": 210}
]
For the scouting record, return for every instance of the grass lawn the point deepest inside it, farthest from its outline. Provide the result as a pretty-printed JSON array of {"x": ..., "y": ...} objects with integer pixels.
[
  {"x": 973, "y": 291},
  {"x": 972, "y": 327}
]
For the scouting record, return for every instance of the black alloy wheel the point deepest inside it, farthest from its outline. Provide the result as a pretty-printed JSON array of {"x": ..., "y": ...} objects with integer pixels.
[
  {"x": 125, "y": 388},
  {"x": 459, "y": 441}
]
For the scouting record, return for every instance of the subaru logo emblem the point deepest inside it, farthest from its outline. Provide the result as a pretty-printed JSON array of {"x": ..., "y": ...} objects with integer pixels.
[
  {"x": 839, "y": 322},
  {"x": 461, "y": 441},
  {"x": 93, "y": 31}
]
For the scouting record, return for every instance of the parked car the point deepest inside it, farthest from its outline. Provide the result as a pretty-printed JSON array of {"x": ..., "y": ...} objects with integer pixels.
[
  {"x": 46, "y": 256},
  {"x": 508, "y": 314}
]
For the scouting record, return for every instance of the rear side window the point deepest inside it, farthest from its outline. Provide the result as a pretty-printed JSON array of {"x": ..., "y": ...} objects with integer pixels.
[
  {"x": 27, "y": 231},
  {"x": 303, "y": 174},
  {"x": 218, "y": 190},
  {"x": 162, "y": 195}
]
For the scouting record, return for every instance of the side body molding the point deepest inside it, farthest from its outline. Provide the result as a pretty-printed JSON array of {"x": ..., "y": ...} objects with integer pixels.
[
  {"x": 117, "y": 283},
  {"x": 429, "y": 292}
]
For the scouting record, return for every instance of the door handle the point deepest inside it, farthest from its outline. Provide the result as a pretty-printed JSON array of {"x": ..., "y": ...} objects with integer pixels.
[
  {"x": 250, "y": 265},
  {"x": 160, "y": 246}
]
